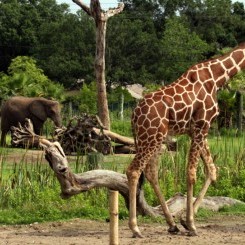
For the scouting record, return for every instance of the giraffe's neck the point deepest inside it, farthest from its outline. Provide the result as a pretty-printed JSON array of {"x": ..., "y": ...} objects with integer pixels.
[{"x": 225, "y": 67}]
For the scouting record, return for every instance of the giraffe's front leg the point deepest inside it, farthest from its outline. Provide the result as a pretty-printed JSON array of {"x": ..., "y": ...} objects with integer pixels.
[
  {"x": 189, "y": 204},
  {"x": 133, "y": 177},
  {"x": 191, "y": 179},
  {"x": 151, "y": 173}
]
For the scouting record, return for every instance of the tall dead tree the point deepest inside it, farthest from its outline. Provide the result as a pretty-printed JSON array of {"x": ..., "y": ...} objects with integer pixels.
[{"x": 101, "y": 17}]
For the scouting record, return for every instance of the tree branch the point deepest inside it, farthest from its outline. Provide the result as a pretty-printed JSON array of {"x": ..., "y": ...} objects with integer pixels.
[
  {"x": 24, "y": 135},
  {"x": 83, "y": 6},
  {"x": 113, "y": 11},
  {"x": 96, "y": 11}
]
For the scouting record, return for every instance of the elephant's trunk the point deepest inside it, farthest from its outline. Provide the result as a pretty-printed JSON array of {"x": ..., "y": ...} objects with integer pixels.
[{"x": 57, "y": 121}]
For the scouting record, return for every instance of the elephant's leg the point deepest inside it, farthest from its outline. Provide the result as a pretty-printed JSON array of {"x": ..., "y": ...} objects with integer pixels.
[
  {"x": 37, "y": 126},
  {"x": 3, "y": 138}
]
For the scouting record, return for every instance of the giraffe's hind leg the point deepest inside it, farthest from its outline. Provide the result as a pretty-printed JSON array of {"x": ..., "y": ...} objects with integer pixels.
[
  {"x": 133, "y": 173},
  {"x": 151, "y": 173},
  {"x": 194, "y": 154},
  {"x": 199, "y": 147},
  {"x": 210, "y": 174},
  {"x": 210, "y": 177}
]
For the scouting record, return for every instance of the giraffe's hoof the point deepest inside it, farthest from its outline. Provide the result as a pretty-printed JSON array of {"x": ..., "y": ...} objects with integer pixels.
[
  {"x": 192, "y": 233},
  {"x": 173, "y": 230},
  {"x": 183, "y": 223},
  {"x": 137, "y": 235}
]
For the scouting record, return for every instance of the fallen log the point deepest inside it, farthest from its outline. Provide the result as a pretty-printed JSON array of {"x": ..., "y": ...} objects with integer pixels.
[
  {"x": 86, "y": 134},
  {"x": 177, "y": 203},
  {"x": 126, "y": 144},
  {"x": 117, "y": 138},
  {"x": 73, "y": 184}
]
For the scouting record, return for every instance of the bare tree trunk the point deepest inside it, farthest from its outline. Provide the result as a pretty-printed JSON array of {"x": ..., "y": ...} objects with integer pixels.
[
  {"x": 102, "y": 102},
  {"x": 101, "y": 18}
]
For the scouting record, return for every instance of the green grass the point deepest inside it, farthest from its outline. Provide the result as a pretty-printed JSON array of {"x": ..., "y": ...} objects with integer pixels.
[{"x": 29, "y": 191}]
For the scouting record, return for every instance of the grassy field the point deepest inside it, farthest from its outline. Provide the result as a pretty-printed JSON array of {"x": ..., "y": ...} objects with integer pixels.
[{"x": 29, "y": 191}]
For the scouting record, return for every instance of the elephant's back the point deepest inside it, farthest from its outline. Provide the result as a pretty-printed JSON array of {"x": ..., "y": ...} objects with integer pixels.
[
  {"x": 16, "y": 103},
  {"x": 14, "y": 109},
  {"x": 19, "y": 99}
]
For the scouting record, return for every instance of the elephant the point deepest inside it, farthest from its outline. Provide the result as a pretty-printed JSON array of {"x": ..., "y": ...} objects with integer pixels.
[{"x": 16, "y": 109}]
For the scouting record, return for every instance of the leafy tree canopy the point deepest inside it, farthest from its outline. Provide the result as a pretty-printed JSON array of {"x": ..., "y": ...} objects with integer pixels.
[
  {"x": 67, "y": 54},
  {"x": 181, "y": 48},
  {"x": 132, "y": 50},
  {"x": 20, "y": 23},
  {"x": 26, "y": 79},
  {"x": 143, "y": 45}
]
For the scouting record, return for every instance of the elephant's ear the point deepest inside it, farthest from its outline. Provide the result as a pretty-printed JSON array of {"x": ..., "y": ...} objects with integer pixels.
[{"x": 38, "y": 110}]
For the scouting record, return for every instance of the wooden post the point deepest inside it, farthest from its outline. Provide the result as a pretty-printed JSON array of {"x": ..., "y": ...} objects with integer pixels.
[{"x": 113, "y": 200}]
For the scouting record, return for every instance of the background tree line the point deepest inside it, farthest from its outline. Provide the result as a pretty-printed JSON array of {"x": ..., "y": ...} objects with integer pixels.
[{"x": 150, "y": 42}]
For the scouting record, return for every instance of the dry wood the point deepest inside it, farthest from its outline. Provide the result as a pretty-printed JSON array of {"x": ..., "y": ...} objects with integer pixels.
[
  {"x": 117, "y": 138},
  {"x": 80, "y": 136},
  {"x": 86, "y": 134},
  {"x": 113, "y": 201},
  {"x": 24, "y": 135}
]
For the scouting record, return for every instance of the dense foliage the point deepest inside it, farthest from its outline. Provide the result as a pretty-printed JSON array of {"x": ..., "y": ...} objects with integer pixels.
[
  {"x": 45, "y": 47},
  {"x": 149, "y": 42},
  {"x": 26, "y": 79}
]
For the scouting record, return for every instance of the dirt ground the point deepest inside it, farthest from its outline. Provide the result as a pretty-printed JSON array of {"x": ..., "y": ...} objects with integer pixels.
[{"x": 215, "y": 230}]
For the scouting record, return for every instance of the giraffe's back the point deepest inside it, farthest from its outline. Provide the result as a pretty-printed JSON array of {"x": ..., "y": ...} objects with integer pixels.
[{"x": 180, "y": 105}]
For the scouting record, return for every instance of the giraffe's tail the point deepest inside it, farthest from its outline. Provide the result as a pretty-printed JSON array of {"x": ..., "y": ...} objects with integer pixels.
[{"x": 141, "y": 181}]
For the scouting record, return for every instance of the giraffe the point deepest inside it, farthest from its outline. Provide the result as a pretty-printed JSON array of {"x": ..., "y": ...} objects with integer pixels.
[{"x": 187, "y": 106}]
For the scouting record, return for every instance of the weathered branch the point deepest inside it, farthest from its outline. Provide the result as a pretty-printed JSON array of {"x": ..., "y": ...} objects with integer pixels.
[
  {"x": 24, "y": 135},
  {"x": 86, "y": 133},
  {"x": 117, "y": 138},
  {"x": 83, "y": 6},
  {"x": 96, "y": 11},
  {"x": 113, "y": 11},
  {"x": 73, "y": 184},
  {"x": 79, "y": 135}
]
